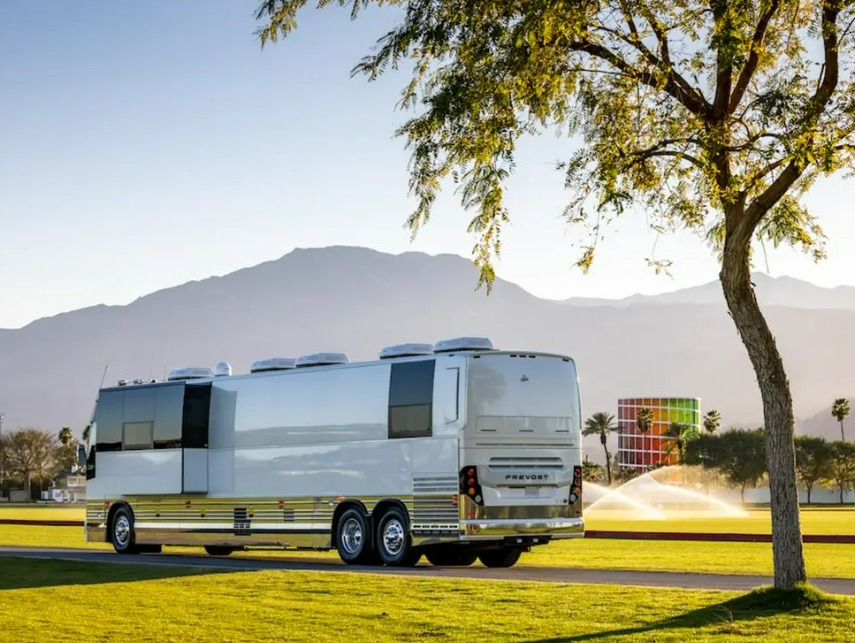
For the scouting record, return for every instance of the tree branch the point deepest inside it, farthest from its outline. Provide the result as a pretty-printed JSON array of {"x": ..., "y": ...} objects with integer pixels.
[
  {"x": 688, "y": 98},
  {"x": 753, "y": 58},
  {"x": 790, "y": 174}
]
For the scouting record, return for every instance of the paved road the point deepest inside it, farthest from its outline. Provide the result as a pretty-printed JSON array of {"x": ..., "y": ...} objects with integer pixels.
[{"x": 520, "y": 573}]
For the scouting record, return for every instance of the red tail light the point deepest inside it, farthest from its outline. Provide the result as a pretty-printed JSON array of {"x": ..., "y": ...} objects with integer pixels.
[{"x": 469, "y": 486}]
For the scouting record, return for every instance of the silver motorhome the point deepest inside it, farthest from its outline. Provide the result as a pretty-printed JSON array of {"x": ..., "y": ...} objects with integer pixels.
[{"x": 455, "y": 452}]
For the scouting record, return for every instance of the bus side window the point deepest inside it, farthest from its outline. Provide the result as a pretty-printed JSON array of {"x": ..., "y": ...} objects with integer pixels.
[
  {"x": 411, "y": 399},
  {"x": 451, "y": 394}
]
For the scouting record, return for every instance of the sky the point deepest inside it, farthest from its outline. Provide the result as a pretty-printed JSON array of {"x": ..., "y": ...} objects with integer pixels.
[{"x": 144, "y": 145}]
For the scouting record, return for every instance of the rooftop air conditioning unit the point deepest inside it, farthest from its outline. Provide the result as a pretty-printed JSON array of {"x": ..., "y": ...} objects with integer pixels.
[
  {"x": 406, "y": 350},
  {"x": 272, "y": 364},
  {"x": 222, "y": 369},
  {"x": 189, "y": 373},
  {"x": 321, "y": 359},
  {"x": 463, "y": 344}
]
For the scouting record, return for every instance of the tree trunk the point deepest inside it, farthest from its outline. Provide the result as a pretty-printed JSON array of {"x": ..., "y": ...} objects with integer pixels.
[
  {"x": 842, "y": 438},
  {"x": 768, "y": 366},
  {"x": 808, "y": 493},
  {"x": 608, "y": 465},
  {"x": 28, "y": 494},
  {"x": 841, "y": 493}
]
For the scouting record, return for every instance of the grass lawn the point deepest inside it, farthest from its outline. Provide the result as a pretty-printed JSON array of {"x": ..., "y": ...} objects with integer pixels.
[
  {"x": 815, "y": 520},
  {"x": 42, "y": 512},
  {"x": 829, "y": 561},
  {"x": 149, "y": 603}
]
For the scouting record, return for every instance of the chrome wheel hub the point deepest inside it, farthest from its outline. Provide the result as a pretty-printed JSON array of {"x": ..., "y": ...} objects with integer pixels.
[
  {"x": 393, "y": 537},
  {"x": 351, "y": 536},
  {"x": 122, "y": 531}
]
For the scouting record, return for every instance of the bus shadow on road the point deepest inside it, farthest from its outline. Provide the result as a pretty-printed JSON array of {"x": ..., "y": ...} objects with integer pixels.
[{"x": 30, "y": 573}]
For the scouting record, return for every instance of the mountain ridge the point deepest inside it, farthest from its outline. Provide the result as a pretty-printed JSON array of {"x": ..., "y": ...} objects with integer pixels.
[{"x": 356, "y": 300}]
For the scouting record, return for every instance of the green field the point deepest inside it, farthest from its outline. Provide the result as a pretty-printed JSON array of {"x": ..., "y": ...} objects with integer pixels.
[
  {"x": 815, "y": 520},
  {"x": 153, "y": 603},
  {"x": 823, "y": 561}
]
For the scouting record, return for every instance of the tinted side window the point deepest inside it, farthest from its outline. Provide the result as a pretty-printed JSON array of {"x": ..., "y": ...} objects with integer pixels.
[
  {"x": 411, "y": 399},
  {"x": 197, "y": 406},
  {"x": 109, "y": 416},
  {"x": 169, "y": 407}
]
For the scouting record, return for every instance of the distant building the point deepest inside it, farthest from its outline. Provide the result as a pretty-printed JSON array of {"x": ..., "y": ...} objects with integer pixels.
[{"x": 640, "y": 451}]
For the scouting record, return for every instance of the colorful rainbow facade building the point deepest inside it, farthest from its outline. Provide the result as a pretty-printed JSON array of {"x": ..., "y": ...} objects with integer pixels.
[{"x": 641, "y": 450}]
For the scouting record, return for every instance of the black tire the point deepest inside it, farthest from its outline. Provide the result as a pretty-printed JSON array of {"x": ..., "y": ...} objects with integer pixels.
[
  {"x": 450, "y": 556},
  {"x": 392, "y": 541},
  {"x": 218, "y": 550},
  {"x": 149, "y": 549},
  {"x": 122, "y": 535},
  {"x": 353, "y": 537},
  {"x": 506, "y": 557}
]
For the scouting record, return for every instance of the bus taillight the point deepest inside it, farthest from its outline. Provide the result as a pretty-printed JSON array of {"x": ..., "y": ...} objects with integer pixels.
[
  {"x": 576, "y": 487},
  {"x": 469, "y": 486}
]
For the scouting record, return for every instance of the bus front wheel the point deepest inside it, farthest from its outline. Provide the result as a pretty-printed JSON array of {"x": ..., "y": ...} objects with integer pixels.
[
  {"x": 450, "y": 557},
  {"x": 218, "y": 550},
  {"x": 505, "y": 557},
  {"x": 122, "y": 534}
]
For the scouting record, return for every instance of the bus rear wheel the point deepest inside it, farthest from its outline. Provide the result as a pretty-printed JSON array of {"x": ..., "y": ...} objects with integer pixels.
[
  {"x": 218, "y": 550},
  {"x": 122, "y": 534},
  {"x": 393, "y": 542},
  {"x": 353, "y": 537},
  {"x": 450, "y": 557},
  {"x": 505, "y": 557}
]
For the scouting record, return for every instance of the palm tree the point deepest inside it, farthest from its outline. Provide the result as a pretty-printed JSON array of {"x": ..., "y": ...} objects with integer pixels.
[
  {"x": 602, "y": 424},
  {"x": 712, "y": 420},
  {"x": 643, "y": 421},
  {"x": 840, "y": 410},
  {"x": 679, "y": 435},
  {"x": 65, "y": 435}
]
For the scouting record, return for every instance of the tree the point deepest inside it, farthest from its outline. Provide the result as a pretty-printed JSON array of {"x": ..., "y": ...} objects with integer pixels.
[
  {"x": 591, "y": 471},
  {"x": 644, "y": 422},
  {"x": 65, "y": 435},
  {"x": 740, "y": 456},
  {"x": 840, "y": 410},
  {"x": 813, "y": 461},
  {"x": 744, "y": 461},
  {"x": 842, "y": 466},
  {"x": 679, "y": 435},
  {"x": 33, "y": 454},
  {"x": 601, "y": 424},
  {"x": 714, "y": 116},
  {"x": 87, "y": 431},
  {"x": 712, "y": 420}
]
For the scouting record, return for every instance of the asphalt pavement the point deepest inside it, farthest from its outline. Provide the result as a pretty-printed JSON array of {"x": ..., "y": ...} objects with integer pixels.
[{"x": 518, "y": 573}]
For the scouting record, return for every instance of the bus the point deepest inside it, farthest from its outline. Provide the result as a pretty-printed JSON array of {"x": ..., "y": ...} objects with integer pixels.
[{"x": 455, "y": 451}]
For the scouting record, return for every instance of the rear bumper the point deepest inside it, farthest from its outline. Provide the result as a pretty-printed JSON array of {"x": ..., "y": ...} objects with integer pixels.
[{"x": 556, "y": 528}]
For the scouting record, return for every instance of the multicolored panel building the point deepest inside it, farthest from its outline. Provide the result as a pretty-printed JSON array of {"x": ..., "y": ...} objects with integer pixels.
[{"x": 642, "y": 450}]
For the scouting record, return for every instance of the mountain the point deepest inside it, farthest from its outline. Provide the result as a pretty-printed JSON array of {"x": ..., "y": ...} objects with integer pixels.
[
  {"x": 824, "y": 425},
  {"x": 355, "y": 300},
  {"x": 771, "y": 291}
]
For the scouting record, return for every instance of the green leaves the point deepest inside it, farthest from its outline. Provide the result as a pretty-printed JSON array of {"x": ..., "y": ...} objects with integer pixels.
[{"x": 685, "y": 108}]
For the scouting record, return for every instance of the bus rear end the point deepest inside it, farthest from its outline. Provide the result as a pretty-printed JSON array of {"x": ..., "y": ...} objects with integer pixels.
[{"x": 520, "y": 457}]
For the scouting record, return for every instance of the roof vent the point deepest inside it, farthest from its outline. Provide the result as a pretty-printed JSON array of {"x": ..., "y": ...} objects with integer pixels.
[
  {"x": 272, "y": 364},
  {"x": 463, "y": 344},
  {"x": 406, "y": 350},
  {"x": 321, "y": 359},
  {"x": 223, "y": 369},
  {"x": 189, "y": 373}
]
